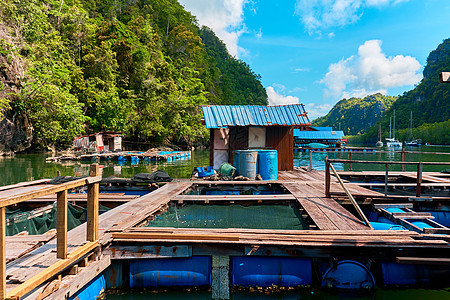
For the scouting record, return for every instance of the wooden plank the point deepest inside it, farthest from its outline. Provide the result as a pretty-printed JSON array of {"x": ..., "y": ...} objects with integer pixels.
[
  {"x": 22, "y": 184},
  {"x": 423, "y": 260},
  {"x": 51, "y": 271},
  {"x": 393, "y": 205},
  {"x": 61, "y": 225},
  {"x": 185, "y": 237},
  {"x": 2, "y": 253},
  {"x": 202, "y": 198},
  {"x": 73, "y": 283},
  {"x": 147, "y": 251},
  {"x": 44, "y": 190},
  {"x": 17, "y": 246},
  {"x": 92, "y": 206}
]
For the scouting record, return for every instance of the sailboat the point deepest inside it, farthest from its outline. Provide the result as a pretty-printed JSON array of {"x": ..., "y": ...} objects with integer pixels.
[
  {"x": 379, "y": 143},
  {"x": 392, "y": 143},
  {"x": 412, "y": 141}
]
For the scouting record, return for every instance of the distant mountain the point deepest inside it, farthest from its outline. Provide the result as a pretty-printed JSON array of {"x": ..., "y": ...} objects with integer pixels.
[
  {"x": 429, "y": 103},
  {"x": 356, "y": 115}
]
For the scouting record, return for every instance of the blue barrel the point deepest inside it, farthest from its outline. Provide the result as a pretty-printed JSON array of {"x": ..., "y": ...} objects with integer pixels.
[
  {"x": 348, "y": 274},
  {"x": 194, "y": 271},
  {"x": 268, "y": 164},
  {"x": 263, "y": 271},
  {"x": 236, "y": 154},
  {"x": 248, "y": 160},
  {"x": 92, "y": 290}
]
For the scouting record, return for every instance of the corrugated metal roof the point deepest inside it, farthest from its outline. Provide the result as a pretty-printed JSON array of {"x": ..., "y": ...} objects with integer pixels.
[
  {"x": 321, "y": 135},
  {"x": 323, "y": 128},
  {"x": 220, "y": 116}
]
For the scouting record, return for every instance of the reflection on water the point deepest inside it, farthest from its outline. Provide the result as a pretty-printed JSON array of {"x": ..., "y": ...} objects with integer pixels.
[{"x": 28, "y": 167}]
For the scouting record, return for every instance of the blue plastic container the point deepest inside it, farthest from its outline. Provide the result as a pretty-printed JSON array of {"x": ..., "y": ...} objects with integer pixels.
[
  {"x": 386, "y": 226},
  {"x": 236, "y": 154},
  {"x": 262, "y": 271},
  {"x": 348, "y": 274},
  {"x": 268, "y": 164},
  {"x": 92, "y": 290},
  {"x": 205, "y": 171},
  {"x": 248, "y": 160},
  {"x": 194, "y": 271}
]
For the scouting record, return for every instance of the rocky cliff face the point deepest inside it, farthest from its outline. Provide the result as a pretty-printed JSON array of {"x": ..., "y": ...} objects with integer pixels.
[{"x": 16, "y": 133}]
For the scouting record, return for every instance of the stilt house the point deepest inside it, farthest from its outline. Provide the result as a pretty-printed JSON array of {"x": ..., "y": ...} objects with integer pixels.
[{"x": 236, "y": 127}]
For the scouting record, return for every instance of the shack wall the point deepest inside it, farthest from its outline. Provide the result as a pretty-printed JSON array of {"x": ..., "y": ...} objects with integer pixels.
[{"x": 282, "y": 139}]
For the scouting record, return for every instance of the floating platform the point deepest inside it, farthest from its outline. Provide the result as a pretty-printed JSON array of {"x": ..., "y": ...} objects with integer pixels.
[
  {"x": 337, "y": 149},
  {"x": 130, "y": 252},
  {"x": 133, "y": 156}
]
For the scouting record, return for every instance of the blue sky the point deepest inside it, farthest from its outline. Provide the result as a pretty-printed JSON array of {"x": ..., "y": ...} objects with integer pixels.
[{"x": 317, "y": 52}]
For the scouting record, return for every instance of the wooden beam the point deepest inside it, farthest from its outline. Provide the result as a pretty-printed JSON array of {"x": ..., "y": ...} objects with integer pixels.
[
  {"x": 51, "y": 271},
  {"x": 61, "y": 225},
  {"x": 172, "y": 236},
  {"x": 358, "y": 209},
  {"x": 92, "y": 206},
  {"x": 2, "y": 253},
  {"x": 444, "y": 77},
  {"x": 51, "y": 189},
  {"x": 423, "y": 260},
  {"x": 279, "y": 197}
]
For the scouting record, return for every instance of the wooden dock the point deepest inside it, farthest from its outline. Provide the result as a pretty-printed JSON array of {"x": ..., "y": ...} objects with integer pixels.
[{"x": 333, "y": 228}]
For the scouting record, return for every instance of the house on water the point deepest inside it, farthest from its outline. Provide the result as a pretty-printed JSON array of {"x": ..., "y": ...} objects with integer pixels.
[
  {"x": 322, "y": 135},
  {"x": 99, "y": 142},
  {"x": 236, "y": 127}
]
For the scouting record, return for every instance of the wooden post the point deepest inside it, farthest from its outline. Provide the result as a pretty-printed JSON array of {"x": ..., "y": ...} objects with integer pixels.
[
  {"x": 327, "y": 177},
  {"x": 310, "y": 161},
  {"x": 61, "y": 224},
  {"x": 419, "y": 179},
  {"x": 3, "y": 253},
  {"x": 92, "y": 207},
  {"x": 386, "y": 180},
  {"x": 403, "y": 159},
  {"x": 350, "y": 164}
]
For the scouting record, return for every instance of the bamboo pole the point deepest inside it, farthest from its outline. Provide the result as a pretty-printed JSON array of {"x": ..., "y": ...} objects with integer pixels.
[
  {"x": 350, "y": 164},
  {"x": 352, "y": 200},
  {"x": 92, "y": 206},
  {"x": 419, "y": 179},
  {"x": 386, "y": 180},
  {"x": 403, "y": 159},
  {"x": 327, "y": 177}
]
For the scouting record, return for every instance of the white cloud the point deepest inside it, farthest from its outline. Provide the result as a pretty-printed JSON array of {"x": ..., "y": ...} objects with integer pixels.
[
  {"x": 277, "y": 99},
  {"x": 369, "y": 72},
  {"x": 315, "y": 110},
  {"x": 224, "y": 17},
  {"x": 317, "y": 15}
]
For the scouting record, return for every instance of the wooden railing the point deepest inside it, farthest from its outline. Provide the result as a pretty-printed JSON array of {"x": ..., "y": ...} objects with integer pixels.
[
  {"x": 386, "y": 163},
  {"x": 65, "y": 260}
]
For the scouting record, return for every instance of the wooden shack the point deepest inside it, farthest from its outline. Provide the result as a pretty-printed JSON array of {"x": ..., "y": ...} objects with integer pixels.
[
  {"x": 236, "y": 127},
  {"x": 99, "y": 142}
]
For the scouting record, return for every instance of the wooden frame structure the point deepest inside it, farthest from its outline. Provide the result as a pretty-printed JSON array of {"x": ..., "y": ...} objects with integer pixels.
[{"x": 61, "y": 252}]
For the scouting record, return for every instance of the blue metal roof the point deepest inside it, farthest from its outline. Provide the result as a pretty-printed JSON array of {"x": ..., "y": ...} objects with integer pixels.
[
  {"x": 323, "y": 128},
  {"x": 318, "y": 135},
  {"x": 220, "y": 116}
]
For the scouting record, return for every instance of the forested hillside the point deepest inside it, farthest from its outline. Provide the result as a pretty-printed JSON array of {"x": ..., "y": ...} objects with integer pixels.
[
  {"x": 429, "y": 103},
  {"x": 142, "y": 67},
  {"x": 356, "y": 115}
]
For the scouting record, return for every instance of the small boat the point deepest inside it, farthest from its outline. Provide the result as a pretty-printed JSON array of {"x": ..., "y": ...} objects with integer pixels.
[
  {"x": 392, "y": 142},
  {"x": 379, "y": 144},
  {"x": 412, "y": 141}
]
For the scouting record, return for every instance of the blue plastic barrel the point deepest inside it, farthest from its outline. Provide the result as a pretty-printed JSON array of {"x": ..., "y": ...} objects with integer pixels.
[
  {"x": 194, "y": 271},
  {"x": 92, "y": 290},
  {"x": 348, "y": 274},
  {"x": 236, "y": 154},
  {"x": 268, "y": 164},
  {"x": 248, "y": 160},
  {"x": 263, "y": 271}
]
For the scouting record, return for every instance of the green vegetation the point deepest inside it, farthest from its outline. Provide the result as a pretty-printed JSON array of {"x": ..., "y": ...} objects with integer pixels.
[
  {"x": 141, "y": 67},
  {"x": 356, "y": 115}
]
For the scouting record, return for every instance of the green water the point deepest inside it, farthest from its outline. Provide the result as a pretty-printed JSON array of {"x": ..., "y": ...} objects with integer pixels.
[
  {"x": 26, "y": 167},
  {"x": 231, "y": 216},
  {"x": 313, "y": 294}
]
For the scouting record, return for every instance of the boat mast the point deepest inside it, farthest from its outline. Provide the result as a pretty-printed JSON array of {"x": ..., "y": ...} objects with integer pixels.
[
  {"x": 394, "y": 125},
  {"x": 390, "y": 127}
]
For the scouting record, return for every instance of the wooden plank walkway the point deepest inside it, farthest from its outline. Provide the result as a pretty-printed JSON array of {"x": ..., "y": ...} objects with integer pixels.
[{"x": 326, "y": 213}]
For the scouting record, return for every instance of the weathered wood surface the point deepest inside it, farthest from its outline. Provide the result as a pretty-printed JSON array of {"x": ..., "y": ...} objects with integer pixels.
[
  {"x": 23, "y": 184},
  {"x": 136, "y": 210},
  {"x": 103, "y": 197},
  {"x": 313, "y": 238},
  {"x": 19, "y": 245},
  {"x": 326, "y": 213},
  {"x": 212, "y": 198}
]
